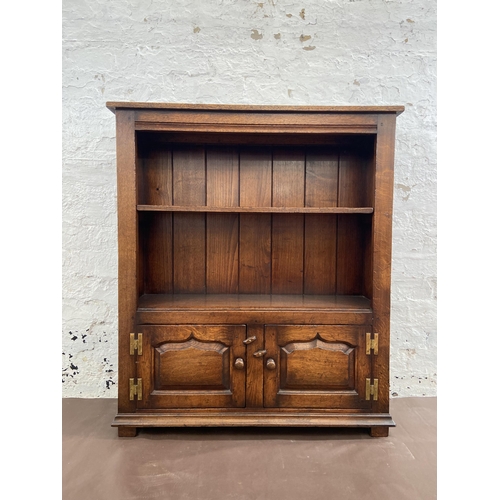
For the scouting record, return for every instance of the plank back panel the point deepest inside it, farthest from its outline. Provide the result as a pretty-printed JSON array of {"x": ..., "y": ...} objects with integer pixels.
[
  {"x": 222, "y": 177},
  {"x": 255, "y": 178},
  {"x": 287, "y": 253},
  {"x": 222, "y": 253},
  {"x": 156, "y": 245},
  {"x": 255, "y": 229},
  {"x": 189, "y": 253},
  {"x": 189, "y": 176},
  {"x": 320, "y": 254},
  {"x": 155, "y": 180},
  {"x": 322, "y": 171},
  {"x": 288, "y": 178},
  {"x": 352, "y": 183},
  {"x": 350, "y": 255},
  {"x": 320, "y": 233},
  {"x": 255, "y": 253}
]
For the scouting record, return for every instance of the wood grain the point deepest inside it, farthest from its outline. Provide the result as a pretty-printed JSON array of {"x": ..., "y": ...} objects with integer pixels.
[
  {"x": 189, "y": 253},
  {"x": 382, "y": 251},
  {"x": 128, "y": 287},
  {"x": 156, "y": 242},
  {"x": 222, "y": 253},
  {"x": 255, "y": 253},
  {"x": 257, "y": 210},
  {"x": 320, "y": 254},
  {"x": 288, "y": 178},
  {"x": 255, "y": 178},
  {"x": 192, "y": 366},
  {"x": 156, "y": 178},
  {"x": 113, "y": 105},
  {"x": 287, "y": 259},
  {"x": 318, "y": 367},
  {"x": 222, "y": 177},
  {"x": 322, "y": 171},
  {"x": 189, "y": 176}
]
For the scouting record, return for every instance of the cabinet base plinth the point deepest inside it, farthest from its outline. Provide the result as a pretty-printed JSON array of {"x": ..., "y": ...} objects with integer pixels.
[{"x": 378, "y": 423}]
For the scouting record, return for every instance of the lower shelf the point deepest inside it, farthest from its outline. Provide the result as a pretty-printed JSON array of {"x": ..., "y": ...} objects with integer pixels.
[{"x": 257, "y": 308}]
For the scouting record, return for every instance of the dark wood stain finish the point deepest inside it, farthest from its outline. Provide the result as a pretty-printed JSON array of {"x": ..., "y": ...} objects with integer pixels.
[{"x": 254, "y": 257}]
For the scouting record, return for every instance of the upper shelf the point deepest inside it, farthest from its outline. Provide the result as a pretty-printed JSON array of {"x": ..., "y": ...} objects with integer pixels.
[{"x": 286, "y": 210}]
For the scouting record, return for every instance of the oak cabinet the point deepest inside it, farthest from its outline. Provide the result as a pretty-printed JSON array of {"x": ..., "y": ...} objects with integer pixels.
[{"x": 254, "y": 265}]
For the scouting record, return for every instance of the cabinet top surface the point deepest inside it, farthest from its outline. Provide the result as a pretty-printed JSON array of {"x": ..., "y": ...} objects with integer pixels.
[{"x": 254, "y": 108}]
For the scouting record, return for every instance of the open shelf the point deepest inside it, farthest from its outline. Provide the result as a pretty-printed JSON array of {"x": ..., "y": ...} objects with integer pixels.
[
  {"x": 236, "y": 301},
  {"x": 241, "y": 308},
  {"x": 263, "y": 210}
]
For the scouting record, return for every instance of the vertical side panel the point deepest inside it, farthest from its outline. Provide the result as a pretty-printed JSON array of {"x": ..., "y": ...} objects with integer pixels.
[
  {"x": 321, "y": 179},
  {"x": 382, "y": 249},
  {"x": 222, "y": 253},
  {"x": 189, "y": 183},
  {"x": 222, "y": 177},
  {"x": 156, "y": 236},
  {"x": 127, "y": 251},
  {"x": 255, "y": 178},
  {"x": 157, "y": 177},
  {"x": 320, "y": 255},
  {"x": 255, "y": 253},
  {"x": 288, "y": 178},
  {"x": 288, "y": 253},
  {"x": 189, "y": 252}
]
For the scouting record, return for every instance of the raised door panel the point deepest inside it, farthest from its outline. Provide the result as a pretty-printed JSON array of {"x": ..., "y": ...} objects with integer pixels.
[
  {"x": 316, "y": 367},
  {"x": 192, "y": 366}
]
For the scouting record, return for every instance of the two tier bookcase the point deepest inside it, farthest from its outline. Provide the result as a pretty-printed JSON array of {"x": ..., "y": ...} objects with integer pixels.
[{"x": 254, "y": 265}]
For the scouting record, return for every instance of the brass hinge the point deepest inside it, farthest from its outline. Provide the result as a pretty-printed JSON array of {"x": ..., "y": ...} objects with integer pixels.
[
  {"x": 372, "y": 389},
  {"x": 135, "y": 389},
  {"x": 372, "y": 343},
  {"x": 135, "y": 344}
]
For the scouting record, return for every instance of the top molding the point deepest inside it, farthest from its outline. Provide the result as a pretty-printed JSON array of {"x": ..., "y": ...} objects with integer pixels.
[{"x": 113, "y": 106}]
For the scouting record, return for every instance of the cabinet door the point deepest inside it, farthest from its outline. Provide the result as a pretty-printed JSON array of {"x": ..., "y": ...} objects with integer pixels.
[
  {"x": 192, "y": 366},
  {"x": 316, "y": 367}
]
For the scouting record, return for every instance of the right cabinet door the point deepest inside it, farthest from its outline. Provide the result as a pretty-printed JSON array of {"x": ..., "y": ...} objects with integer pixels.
[{"x": 320, "y": 366}]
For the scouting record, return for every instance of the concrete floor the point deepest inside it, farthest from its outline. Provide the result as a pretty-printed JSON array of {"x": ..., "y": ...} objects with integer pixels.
[{"x": 248, "y": 463}]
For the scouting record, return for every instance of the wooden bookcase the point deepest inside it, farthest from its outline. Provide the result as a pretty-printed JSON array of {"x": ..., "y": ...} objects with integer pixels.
[{"x": 254, "y": 265}]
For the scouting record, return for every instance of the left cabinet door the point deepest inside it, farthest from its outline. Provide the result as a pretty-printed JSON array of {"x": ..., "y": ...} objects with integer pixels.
[{"x": 192, "y": 366}]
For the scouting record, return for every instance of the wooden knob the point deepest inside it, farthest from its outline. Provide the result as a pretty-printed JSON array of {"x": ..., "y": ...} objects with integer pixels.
[
  {"x": 239, "y": 364},
  {"x": 271, "y": 364}
]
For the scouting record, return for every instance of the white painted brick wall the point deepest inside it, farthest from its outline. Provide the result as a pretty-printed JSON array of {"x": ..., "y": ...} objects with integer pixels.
[{"x": 360, "y": 52}]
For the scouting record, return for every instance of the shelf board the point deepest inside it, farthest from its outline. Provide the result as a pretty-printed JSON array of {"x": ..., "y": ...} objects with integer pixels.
[
  {"x": 254, "y": 108},
  {"x": 253, "y": 302},
  {"x": 280, "y": 210}
]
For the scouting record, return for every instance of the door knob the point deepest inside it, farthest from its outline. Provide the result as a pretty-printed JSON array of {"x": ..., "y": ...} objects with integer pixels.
[
  {"x": 259, "y": 354},
  {"x": 271, "y": 364},
  {"x": 239, "y": 364}
]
